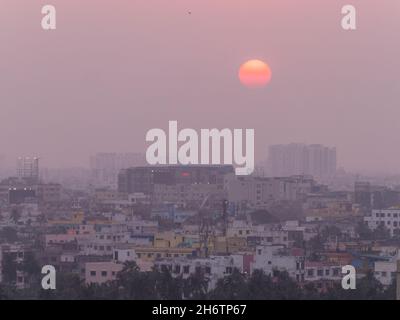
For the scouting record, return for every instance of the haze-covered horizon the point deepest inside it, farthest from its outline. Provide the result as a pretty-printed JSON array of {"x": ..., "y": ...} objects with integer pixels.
[{"x": 114, "y": 70}]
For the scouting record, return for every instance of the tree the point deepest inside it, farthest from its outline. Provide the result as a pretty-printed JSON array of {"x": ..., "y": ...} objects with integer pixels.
[
  {"x": 363, "y": 231},
  {"x": 15, "y": 215},
  {"x": 285, "y": 288},
  {"x": 367, "y": 288},
  {"x": 69, "y": 287},
  {"x": 196, "y": 286},
  {"x": 168, "y": 287},
  {"x": 331, "y": 232},
  {"x": 260, "y": 286},
  {"x": 9, "y": 265},
  {"x": 136, "y": 285},
  {"x": 232, "y": 287},
  {"x": 381, "y": 233}
]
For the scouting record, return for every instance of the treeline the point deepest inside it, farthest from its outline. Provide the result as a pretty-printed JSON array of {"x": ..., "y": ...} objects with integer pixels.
[{"x": 131, "y": 284}]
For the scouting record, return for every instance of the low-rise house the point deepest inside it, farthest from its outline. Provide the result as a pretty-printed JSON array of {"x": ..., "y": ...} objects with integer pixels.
[
  {"x": 213, "y": 268},
  {"x": 277, "y": 258},
  {"x": 101, "y": 272}
]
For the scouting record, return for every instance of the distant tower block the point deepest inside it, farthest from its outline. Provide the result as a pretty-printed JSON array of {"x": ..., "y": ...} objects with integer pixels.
[{"x": 28, "y": 168}]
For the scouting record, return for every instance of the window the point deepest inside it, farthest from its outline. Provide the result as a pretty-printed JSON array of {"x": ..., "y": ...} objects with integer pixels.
[
  {"x": 186, "y": 269},
  {"x": 92, "y": 273},
  {"x": 327, "y": 272},
  {"x": 177, "y": 269},
  {"x": 320, "y": 272},
  {"x": 336, "y": 272},
  {"x": 310, "y": 272},
  {"x": 104, "y": 273}
]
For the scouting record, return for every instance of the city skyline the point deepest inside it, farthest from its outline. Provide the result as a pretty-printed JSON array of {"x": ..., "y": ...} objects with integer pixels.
[
  {"x": 199, "y": 150},
  {"x": 101, "y": 86}
]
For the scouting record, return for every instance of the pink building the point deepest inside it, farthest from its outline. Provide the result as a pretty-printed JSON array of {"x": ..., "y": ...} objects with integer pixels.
[{"x": 101, "y": 272}]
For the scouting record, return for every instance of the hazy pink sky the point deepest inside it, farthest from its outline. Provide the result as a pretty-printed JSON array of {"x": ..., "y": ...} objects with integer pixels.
[{"x": 115, "y": 69}]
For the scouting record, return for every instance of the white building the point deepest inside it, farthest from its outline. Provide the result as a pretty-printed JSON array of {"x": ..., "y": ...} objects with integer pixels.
[
  {"x": 385, "y": 271},
  {"x": 322, "y": 271},
  {"x": 270, "y": 258},
  {"x": 213, "y": 268},
  {"x": 389, "y": 218},
  {"x": 124, "y": 254}
]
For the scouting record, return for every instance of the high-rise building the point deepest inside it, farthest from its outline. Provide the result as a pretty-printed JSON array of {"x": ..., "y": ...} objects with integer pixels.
[
  {"x": 300, "y": 159},
  {"x": 28, "y": 168},
  {"x": 106, "y": 166},
  {"x": 2, "y": 166},
  {"x": 143, "y": 179}
]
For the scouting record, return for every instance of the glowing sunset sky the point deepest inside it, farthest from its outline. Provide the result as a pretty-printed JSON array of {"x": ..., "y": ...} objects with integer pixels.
[{"x": 114, "y": 69}]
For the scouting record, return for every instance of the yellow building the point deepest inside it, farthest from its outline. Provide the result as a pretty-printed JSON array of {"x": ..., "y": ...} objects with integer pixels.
[
  {"x": 151, "y": 253},
  {"x": 168, "y": 239},
  {"x": 76, "y": 219}
]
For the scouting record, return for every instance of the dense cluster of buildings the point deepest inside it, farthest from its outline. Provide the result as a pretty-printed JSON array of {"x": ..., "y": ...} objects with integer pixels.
[{"x": 186, "y": 219}]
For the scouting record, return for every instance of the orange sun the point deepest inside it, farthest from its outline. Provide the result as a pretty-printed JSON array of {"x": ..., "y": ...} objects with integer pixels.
[{"x": 255, "y": 74}]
